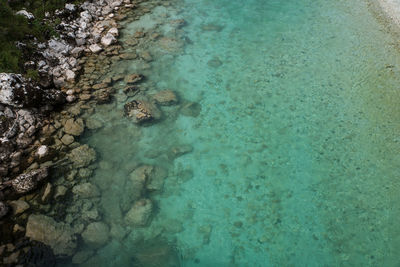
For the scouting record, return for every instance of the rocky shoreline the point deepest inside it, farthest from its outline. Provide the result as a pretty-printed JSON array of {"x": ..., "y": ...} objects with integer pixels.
[{"x": 40, "y": 123}]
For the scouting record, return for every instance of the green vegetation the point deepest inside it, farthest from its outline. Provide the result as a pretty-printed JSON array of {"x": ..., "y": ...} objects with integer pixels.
[{"x": 15, "y": 28}]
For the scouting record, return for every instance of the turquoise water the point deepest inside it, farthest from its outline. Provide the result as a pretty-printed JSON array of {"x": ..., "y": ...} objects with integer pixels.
[{"x": 294, "y": 156}]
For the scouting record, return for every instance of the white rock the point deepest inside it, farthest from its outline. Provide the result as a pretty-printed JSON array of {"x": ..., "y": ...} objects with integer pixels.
[
  {"x": 108, "y": 40},
  {"x": 42, "y": 151},
  {"x": 70, "y": 7},
  {"x": 113, "y": 31},
  {"x": 26, "y": 14},
  {"x": 95, "y": 48},
  {"x": 70, "y": 92},
  {"x": 70, "y": 98},
  {"x": 77, "y": 52},
  {"x": 70, "y": 75}
]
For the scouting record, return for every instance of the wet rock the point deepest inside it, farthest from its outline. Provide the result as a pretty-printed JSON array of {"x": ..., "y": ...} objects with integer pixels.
[
  {"x": 142, "y": 111},
  {"x": 74, "y": 127},
  {"x": 86, "y": 190},
  {"x": 96, "y": 234},
  {"x": 4, "y": 209},
  {"x": 82, "y": 156},
  {"x": 166, "y": 98},
  {"x": 139, "y": 215},
  {"x": 58, "y": 236},
  {"x": 133, "y": 78},
  {"x": 27, "y": 182},
  {"x": 191, "y": 109},
  {"x": 67, "y": 139},
  {"x": 19, "y": 206}
]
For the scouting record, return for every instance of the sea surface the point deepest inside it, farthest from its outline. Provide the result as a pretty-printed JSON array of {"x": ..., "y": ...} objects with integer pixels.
[{"x": 293, "y": 142}]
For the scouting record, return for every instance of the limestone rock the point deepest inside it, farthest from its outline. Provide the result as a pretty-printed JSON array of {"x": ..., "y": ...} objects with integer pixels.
[
  {"x": 86, "y": 190},
  {"x": 58, "y": 236},
  {"x": 142, "y": 111},
  {"x": 166, "y": 98},
  {"x": 74, "y": 127},
  {"x": 96, "y": 234},
  {"x": 108, "y": 40},
  {"x": 26, "y": 182},
  {"x": 95, "y": 48},
  {"x": 139, "y": 215},
  {"x": 82, "y": 156}
]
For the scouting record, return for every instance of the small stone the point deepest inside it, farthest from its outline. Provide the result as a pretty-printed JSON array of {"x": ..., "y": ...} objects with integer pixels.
[
  {"x": 60, "y": 191},
  {"x": 67, "y": 139},
  {"x": 46, "y": 193},
  {"x": 18, "y": 228},
  {"x": 108, "y": 40},
  {"x": 70, "y": 76},
  {"x": 95, "y": 48},
  {"x": 70, "y": 98},
  {"x": 85, "y": 97}
]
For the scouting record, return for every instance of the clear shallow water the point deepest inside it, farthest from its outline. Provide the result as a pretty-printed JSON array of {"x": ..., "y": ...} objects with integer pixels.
[{"x": 295, "y": 152}]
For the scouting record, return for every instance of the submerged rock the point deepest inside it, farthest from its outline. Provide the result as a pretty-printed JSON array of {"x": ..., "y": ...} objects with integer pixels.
[
  {"x": 166, "y": 98},
  {"x": 133, "y": 78},
  {"x": 27, "y": 182},
  {"x": 142, "y": 111},
  {"x": 139, "y": 215},
  {"x": 59, "y": 236},
  {"x": 155, "y": 253},
  {"x": 86, "y": 190},
  {"x": 74, "y": 127},
  {"x": 96, "y": 234},
  {"x": 82, "y": 156},
  {"x": 191, "y": 109}
]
